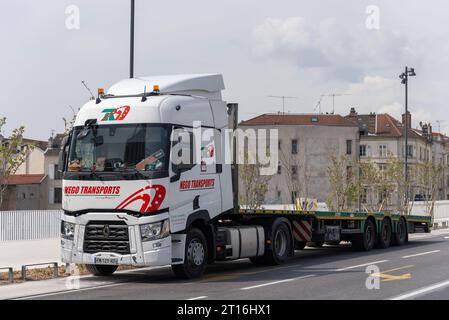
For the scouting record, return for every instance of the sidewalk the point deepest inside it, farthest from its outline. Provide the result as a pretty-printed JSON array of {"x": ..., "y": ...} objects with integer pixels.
[{"x": 17, "y": 253}]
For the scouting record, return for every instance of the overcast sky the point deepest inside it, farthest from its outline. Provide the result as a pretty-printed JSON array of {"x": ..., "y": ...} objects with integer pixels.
[{"x": 292, "y": 48}]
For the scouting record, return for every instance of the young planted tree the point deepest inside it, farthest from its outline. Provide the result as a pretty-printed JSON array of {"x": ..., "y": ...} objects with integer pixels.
[
  {"x": 253, "y": 185},
  {"x": 13, "y": 153},
  {"x": 343, "y": 183},
  {"x": 429, "y": 177},
  {"x": 377, "y": 184},
  {"x": 296, "y": 173},
  {"x": 401, "y": 187}
]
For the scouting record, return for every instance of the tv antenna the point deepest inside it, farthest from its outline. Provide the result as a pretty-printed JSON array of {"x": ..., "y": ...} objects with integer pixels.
[
  {"x": 318, "y": 104},
  {"x": 283, "y": 100},
  {"x": 87, "y": 88},
  {"x": 333, "y": 95}
]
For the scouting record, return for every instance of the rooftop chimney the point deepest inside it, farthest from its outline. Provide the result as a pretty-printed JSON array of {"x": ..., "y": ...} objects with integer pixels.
[
  {"x": 372, "y": 123},
  {"x": 409, "y": 120},
  {"x": 352, "y": 112}
]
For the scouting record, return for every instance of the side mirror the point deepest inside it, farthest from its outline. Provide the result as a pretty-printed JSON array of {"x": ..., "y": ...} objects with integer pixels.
[{"x": 63, "y": 154}]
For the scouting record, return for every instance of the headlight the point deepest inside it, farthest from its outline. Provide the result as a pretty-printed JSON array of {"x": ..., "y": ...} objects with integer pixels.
[
  {"x": 154, "y": 231},
  {"x": 67, "y": 230}
]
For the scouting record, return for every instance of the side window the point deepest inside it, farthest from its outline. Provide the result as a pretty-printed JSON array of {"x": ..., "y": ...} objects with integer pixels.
[{"x": 182, "y": 149}]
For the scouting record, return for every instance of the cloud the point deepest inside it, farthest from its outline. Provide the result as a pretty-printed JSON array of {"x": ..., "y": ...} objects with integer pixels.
[{"x": 342, "y": 52}]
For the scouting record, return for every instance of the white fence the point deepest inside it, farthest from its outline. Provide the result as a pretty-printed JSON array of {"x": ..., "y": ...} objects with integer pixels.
[
  {"x": 440, "y": 212},
  {"x": 29, "y": 224}
]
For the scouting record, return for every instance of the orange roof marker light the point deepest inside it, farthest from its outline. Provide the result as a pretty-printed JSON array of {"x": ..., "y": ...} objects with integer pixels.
[
  {"x": 156, "y": 88},
  {"x": 100, "y": 91}
]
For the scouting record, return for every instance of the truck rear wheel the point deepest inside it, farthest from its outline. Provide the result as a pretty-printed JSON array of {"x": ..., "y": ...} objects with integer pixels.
[
  {"x": 400, "y": 235},
  {"x": 366, "y": 240},
  {"x": 384, "y": 239},
  {"x": 195, "y": 257},
  {"x": 101, "y": 270},
  {"x": 281, "y": 246}
]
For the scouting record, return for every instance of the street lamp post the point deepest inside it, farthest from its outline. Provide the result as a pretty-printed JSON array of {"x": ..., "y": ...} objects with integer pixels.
[
  {"x": 404, "y": 77},
  {"x": 131, "y": 42}
]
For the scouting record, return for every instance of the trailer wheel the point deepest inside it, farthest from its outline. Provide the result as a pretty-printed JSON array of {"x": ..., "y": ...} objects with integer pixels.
[
  {"x": 195, "y": 257},
  {"x": 384, "y": 239},
  {"x": 281, "y": 245},
  {"x": 366, "y": 240},
  {"x": 400, "y": 235},
  {"x": 101, "y": 270}
]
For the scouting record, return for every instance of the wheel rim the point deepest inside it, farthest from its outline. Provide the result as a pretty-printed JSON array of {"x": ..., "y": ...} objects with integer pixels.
[
  {"x": 195, "y": 253},
  {"x": 280, "y": 243},
  {"x": 368, "y": 234}
]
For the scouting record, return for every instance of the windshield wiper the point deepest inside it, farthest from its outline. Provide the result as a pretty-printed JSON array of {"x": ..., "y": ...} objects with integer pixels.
[{"x": 133, "y": 170}]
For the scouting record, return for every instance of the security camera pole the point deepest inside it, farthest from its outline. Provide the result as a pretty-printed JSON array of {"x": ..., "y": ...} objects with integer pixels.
[{"x": 404, "y": 76}]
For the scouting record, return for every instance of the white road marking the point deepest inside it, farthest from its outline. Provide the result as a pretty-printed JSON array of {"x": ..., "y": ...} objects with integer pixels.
[
  {"x": 70, "y": 291},
  {"x": 362, "y": 265},
  {"x": 446, "y": 237},
  {"x": 276, "y": 282},
  {"x": 198, "y": 298},
  {"x": 420, "y": 254},
  {"x": 421, "y": 291}
]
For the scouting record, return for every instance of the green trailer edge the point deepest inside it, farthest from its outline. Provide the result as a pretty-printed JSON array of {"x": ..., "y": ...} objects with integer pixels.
[{"x": 336, "y": 216}]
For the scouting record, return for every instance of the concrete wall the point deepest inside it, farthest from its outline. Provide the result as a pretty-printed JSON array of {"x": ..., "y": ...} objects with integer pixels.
[{"x": 34, "y": 164}]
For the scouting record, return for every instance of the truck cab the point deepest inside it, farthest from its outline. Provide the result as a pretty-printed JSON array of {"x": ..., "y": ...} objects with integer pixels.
[{"x": 142, "y": 166}]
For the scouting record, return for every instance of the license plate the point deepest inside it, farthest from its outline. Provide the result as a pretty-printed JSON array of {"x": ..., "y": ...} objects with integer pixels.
[
  {"x": 101, "y": 260},
  {"x": 332, "y": 233}
]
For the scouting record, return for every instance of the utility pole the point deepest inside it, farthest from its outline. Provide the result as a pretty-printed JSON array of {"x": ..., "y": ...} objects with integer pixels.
[
  {"x": 131, "y": 43},
  {"x": 283, "y": 101}
]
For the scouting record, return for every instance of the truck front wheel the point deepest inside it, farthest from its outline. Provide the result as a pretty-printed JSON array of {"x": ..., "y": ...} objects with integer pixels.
[
  {"x": 101, "y": 270},
  {"x": 195, "y": 257}
]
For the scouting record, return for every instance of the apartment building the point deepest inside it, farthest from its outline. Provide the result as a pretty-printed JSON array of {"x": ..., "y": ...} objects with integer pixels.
[{"x": 306, "y": 142}]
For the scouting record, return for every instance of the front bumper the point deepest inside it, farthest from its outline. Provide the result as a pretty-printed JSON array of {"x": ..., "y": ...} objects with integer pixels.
[{"x": 148, "y": 253}]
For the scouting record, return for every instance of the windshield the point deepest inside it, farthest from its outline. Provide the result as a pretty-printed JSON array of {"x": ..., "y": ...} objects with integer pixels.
[{"x": 119, "y": 148}]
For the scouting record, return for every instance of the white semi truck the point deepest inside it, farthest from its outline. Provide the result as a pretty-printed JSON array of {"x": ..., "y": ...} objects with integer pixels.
[{"x": 142, "y": 188}]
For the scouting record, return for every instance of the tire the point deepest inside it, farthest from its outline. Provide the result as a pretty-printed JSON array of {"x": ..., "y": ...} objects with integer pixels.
[
  {"x": 195, "y": 256},
  {"x": 299, "y": 245},
  {"x": 281, "y": 246},
  {"x": 366, "y": 240},
  {"x": 384, "y": 236},
  {"x": 316, "y": 244},
  {"x": 400, "y": 234},
  {"x": 101, "y": 270}
]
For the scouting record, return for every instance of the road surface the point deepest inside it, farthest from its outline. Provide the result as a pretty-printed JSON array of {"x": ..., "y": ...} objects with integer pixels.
[{"x": 418, "y": 270}]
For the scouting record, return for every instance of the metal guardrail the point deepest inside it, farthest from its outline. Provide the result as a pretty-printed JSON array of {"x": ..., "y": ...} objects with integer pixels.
[
  {"x": 55, "y": 269},
  {"x": 10, "y": 273},
  {"x": 29, "y": 224}
]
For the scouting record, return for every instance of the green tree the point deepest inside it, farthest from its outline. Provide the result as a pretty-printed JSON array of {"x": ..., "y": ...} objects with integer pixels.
[{"x": 13, "y": 153}]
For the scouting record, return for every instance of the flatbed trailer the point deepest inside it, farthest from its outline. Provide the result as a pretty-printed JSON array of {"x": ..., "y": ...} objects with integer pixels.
[{"x": 314, "y": 228}]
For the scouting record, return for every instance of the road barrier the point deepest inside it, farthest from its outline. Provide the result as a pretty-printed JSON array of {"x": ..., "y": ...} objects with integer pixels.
[
  {"x": 29, "y": 224},
  {"x": 24, "y": 268},
  {"x": 10, "y": 273}
]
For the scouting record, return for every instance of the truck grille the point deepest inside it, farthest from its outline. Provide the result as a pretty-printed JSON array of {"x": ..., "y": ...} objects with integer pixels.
[{"x": 106, "y": 236}]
